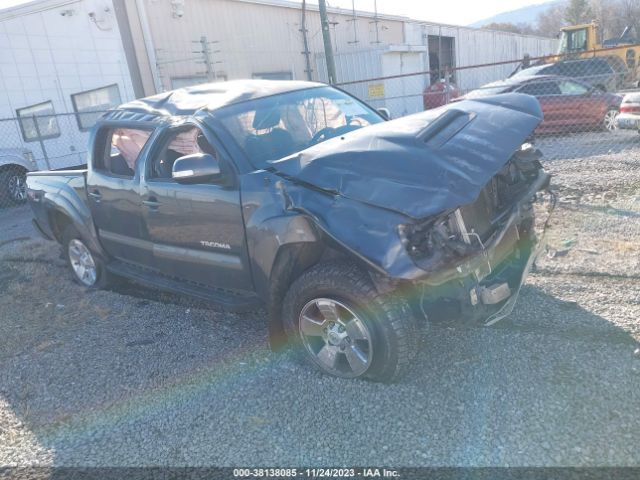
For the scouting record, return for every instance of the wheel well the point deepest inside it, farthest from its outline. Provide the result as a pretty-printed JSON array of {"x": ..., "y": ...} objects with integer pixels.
[
  {"x": 59, "y": 222},
  {"x": 290, "y": 263},
  {"x": 12, "y": 166}
]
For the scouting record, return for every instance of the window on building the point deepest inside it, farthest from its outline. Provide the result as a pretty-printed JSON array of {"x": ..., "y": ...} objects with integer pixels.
[
  {"x": 182, "y": 82},
  {"x": 89, "y": 105},
  {"x": 38, "y": 122},
  {"x": 117, "y": 150},
  {"x": 192, "y": 80},
  {"x": 273, "y": 76}
]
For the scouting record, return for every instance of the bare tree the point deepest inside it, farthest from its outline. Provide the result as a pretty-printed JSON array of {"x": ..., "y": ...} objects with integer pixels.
[
  {"x": 604, "y": 12},
  {"x": 628, "y": 15},
  {"x": 577, "y": 12},
  {"x": 551, "y": 21},
  {"x": 503, "y": 27}
]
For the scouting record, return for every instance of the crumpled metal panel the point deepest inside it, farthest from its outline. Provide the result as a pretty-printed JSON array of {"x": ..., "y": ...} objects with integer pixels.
[{"x": 422, "y": 164}]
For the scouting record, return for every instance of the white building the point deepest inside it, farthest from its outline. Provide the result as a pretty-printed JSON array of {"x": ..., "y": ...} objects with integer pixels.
[
  {"x": 266, "y": 39},
  {"x": 64, "y": 57}
]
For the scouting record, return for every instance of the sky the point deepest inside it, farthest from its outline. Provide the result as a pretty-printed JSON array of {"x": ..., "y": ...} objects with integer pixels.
[{"x": 456, "y": 12}]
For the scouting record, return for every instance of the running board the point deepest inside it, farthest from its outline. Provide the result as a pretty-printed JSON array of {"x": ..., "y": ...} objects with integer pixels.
[{"x": 230, "y": 300}]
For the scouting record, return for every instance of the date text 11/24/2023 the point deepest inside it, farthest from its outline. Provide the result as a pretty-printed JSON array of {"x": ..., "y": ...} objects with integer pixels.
[{"x": 314, "y": 473}]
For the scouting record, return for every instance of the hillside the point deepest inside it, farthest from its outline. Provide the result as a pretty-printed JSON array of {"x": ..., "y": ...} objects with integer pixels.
[{"x": 528, "y": 15}]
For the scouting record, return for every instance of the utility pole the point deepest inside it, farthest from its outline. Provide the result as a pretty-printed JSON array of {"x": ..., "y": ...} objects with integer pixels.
[
  {"x": 206, "y": 58},
  {"x": 211, "y": 74},
  {"x": 326, "y": 36},
  {"x": 376, "y": 21},
  {"x": 306, "y": 53}
]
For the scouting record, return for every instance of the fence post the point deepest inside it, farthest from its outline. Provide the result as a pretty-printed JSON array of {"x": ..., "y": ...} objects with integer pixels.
[
  {"x": 447, "y": 84},
  {"x": 41, "y": 142}
]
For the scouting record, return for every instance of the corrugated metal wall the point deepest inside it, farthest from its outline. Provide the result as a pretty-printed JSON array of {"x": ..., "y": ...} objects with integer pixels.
[{"x": 253, "y": 38}]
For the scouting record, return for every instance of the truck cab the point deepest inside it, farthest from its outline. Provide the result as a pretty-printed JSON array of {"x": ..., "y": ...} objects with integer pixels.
[{"x": 577, "y": 39}]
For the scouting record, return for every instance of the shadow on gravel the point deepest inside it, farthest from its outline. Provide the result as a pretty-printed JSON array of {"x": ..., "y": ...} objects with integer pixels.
[{"x": 104, "y": 378}]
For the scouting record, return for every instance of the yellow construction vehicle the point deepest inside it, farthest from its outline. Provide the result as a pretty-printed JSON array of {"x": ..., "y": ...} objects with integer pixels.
[{"x": 581, "y": 41}]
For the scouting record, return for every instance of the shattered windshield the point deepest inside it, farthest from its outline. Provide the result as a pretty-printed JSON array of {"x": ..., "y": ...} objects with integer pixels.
[{"x": 278, "y": 126}]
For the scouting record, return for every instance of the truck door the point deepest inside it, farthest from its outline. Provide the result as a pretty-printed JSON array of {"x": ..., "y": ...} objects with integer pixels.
[
  {"x": 584, "y": 107},
  {"x": 113, "y": 192},
  {"x": 197, "y": 230}
]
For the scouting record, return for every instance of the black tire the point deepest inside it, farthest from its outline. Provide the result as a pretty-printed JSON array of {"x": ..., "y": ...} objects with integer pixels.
[
  {"x": 102, "y": 278},
  {"x": 394, "y": 335},
  {"x": 13, "y": 186}
]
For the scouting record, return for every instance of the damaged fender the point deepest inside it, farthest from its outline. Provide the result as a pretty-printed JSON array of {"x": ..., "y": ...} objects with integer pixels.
[{"x": 359, "y": 188}]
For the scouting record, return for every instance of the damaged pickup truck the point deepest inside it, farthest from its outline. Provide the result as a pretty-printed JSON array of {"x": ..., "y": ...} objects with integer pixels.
[{"x": 351, "y": 230}]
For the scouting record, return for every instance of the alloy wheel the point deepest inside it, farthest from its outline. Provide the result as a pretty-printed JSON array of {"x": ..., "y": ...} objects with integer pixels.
[
  {"x": 18, "y": 188},
  {"x": 610, "y": 119},
  {"x": 82, "y": 263},
  {"x": 337, "y": 339}
]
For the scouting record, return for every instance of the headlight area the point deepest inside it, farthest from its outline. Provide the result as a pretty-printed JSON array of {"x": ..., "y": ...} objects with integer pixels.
[
  {"x": 436, "y": 243},
  {"x": 468, "y": 276}
]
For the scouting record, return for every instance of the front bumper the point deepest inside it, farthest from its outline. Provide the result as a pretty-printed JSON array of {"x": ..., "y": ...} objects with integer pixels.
[
  {"x": 479, "y": 299},
  {"x": 485, "y": 288}
]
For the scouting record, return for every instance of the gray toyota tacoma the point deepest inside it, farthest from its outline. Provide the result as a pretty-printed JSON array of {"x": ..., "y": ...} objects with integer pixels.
[{"x": 352, "y": 230}]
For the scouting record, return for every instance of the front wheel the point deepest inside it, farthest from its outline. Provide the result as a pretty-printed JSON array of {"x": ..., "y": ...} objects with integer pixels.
[
  {"x": 338, "y": 321},
  {"x": 88, "y": 269}
]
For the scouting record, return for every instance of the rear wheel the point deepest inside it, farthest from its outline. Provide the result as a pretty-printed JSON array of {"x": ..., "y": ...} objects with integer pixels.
[
  {"x": 13, "y": 186},
  {"x": 610, "y": 119},
  {"x": 337, "y": 321},
  {"x": 88, "y": 268}
]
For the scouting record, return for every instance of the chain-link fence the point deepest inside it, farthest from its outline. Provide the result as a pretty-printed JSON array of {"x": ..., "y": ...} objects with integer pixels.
[
  {"x": 589, "y": 108},
  {"x": 40, "y": 142},
  {"x": 589, "y": 104}
]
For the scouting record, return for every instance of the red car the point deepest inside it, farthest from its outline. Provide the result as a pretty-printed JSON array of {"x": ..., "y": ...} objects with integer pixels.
[
  {"x": 438, "y": 94},
  {"x": 568, "y": 105}
]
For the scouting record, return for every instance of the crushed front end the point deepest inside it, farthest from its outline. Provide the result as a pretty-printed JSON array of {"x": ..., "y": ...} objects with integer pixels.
[{"x": 476, "y": 257}]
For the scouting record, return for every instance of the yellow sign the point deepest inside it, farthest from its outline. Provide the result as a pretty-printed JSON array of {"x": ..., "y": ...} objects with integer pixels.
[{"x": 376, "y": 90}]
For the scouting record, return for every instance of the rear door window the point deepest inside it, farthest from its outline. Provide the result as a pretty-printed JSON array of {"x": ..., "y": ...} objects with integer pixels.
[{"x": 567, "y": 87}]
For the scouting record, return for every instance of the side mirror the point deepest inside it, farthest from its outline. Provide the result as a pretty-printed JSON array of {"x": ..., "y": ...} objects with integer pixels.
[
  {"x": 195, "y": 168},
  {"x": 385, "y": 112}
]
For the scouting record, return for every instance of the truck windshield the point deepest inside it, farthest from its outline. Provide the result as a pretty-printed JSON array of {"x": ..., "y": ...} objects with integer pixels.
[{"x": 275, "y": 127}]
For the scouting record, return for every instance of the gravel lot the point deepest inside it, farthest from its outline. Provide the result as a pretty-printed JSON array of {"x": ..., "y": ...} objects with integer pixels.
[{"x": 132, "y": 377}]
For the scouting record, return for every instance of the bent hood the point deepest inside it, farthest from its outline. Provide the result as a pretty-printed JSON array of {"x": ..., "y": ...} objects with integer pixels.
[{"x": 422, "y": 164}]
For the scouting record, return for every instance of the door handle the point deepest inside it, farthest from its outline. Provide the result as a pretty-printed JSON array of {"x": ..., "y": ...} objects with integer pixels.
[
  {"x": 96, "y": 195},
  {"x": 152, "y": 203}
]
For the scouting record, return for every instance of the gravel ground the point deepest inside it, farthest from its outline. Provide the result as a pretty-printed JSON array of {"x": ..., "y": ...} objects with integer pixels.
[{"x": 132, "y": 377}]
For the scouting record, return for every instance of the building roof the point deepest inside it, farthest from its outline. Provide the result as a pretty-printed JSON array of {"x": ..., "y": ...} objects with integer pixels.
[
  {"x": 34, "y": 6},
  {"x": 39, "y": 5},
  {"x": 211, "y": 96}
]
